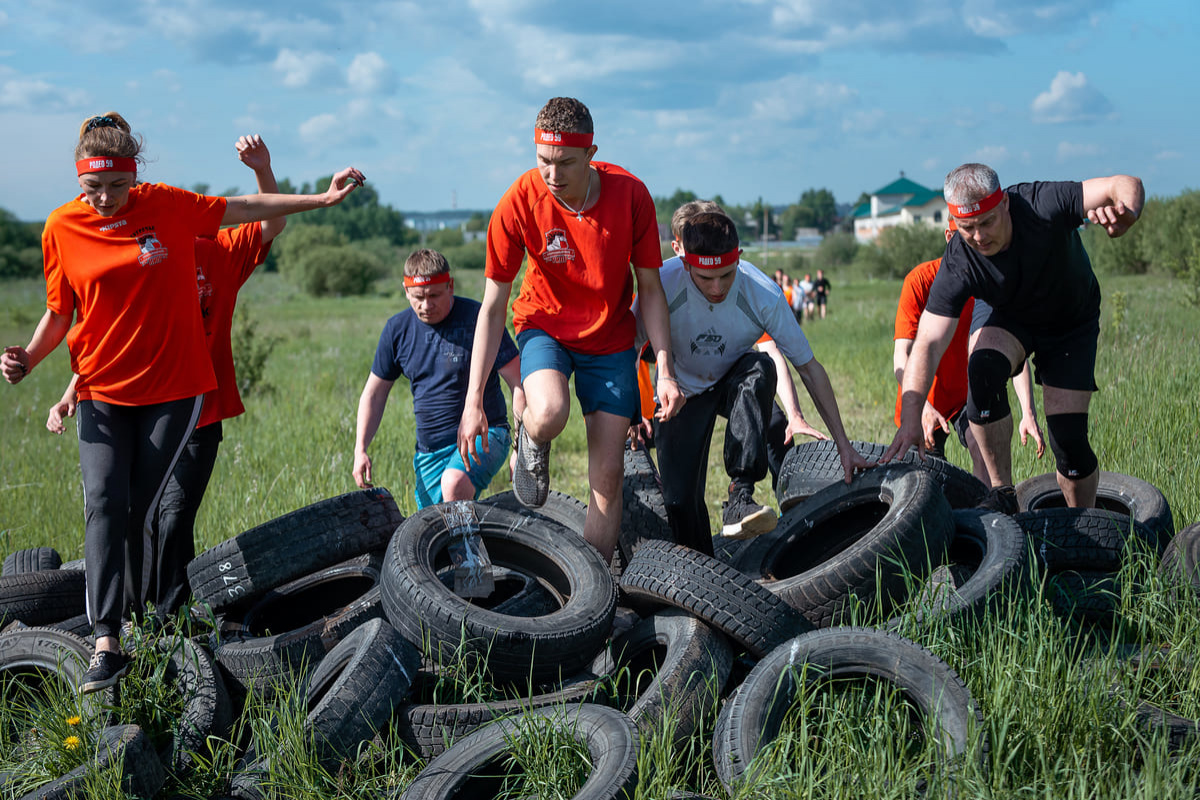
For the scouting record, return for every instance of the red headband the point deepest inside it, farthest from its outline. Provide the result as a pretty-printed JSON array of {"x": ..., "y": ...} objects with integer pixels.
[
  {"x": 975, "y": 209},
  {"x": 105, "y": 164},
  {"x": 713, "y": 262},
  {"x": 426, "y": 280},
  {"x": 562, "y": 139}
]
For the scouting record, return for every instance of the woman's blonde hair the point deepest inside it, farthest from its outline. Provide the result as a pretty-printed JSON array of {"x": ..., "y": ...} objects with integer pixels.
[{"x": 108, "y": 135}]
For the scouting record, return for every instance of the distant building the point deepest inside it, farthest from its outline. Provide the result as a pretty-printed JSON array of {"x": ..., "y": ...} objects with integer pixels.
[{"x": 901, "y": 202}]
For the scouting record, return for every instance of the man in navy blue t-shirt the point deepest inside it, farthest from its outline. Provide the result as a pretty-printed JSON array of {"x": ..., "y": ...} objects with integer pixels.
[
  {"x": 431, "y": 345},
  {"x": 1018, "y": 252}
]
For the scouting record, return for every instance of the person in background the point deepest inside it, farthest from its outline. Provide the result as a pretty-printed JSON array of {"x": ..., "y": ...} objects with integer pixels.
[{"x": 431, "y": 343}]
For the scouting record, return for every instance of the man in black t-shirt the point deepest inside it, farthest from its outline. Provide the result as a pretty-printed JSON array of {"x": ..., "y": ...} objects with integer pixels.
[
  {"x": 1018, "y": 252},
  {"x": 821, "y": 289}
]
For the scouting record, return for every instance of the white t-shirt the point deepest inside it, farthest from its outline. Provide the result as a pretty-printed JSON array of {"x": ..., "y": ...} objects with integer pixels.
[{"x": 708, "y": 338}]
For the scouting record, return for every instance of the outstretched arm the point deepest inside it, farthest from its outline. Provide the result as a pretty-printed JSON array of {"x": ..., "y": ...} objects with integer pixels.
[
  {"x": 816, "y": 381},
  {"x": 63, "y": 408},
  {"x": 653, "y": 302},
  {"x": 259, "y": 207},
  {"x": 933, "y": 337},
  {"x": 789, "y": 400},
  {"x": 1114, "y": 203},
  {"x": 370, "y": 412},
  {"x": 488, "y": 327},
  {"x": 1023, "y": 385},
  {"x": 253, "y": 152},
  {"x": 17, "y": 362}
]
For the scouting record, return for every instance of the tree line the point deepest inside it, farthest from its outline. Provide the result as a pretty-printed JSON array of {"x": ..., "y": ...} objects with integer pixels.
[{"x": 345, "y": 249}]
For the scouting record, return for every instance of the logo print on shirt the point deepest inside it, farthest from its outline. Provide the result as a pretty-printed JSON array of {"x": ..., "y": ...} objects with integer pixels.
[
  {"x": 709, "y": 343},
  {"x": 558, "y": 250},
  {"x": 153, "y": 251}
]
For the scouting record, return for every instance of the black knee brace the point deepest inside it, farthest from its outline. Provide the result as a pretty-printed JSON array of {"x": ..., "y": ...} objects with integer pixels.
[
  {"x": 988, "y": 372},
  {"x": 1069, "y": 442}
]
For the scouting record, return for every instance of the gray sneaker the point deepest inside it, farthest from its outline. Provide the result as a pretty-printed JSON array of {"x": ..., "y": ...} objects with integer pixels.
[
  {"x": 742, "y": 518},
  {"x": 531, "y": 478},
  {"x": 106, "y": 668}
]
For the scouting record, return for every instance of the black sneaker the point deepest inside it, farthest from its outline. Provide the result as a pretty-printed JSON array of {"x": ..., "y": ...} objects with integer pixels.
[
  {"x": 742, "y": 518},
  {"x": 1001, "y": 499},
  {"x": 531, "y": 477},
  {"x": 106, "y": 668}
]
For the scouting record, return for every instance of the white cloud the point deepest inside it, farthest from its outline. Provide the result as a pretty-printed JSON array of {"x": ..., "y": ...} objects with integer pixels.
[
  {"x": 864, "y": 122},
  {"x": 368, "y": 73},
  {"x": 1168, "y": 155},
  {"x": 1072, "y": 150},
  {"x": 320, "y": 129},
  {"x": 32, "y": 94},
  {"x": 795, "y": 97},
  {"x": 991, "y": 155},
  {"x": 1070, "y": 98},
  {"x": 298, "y": 69}
]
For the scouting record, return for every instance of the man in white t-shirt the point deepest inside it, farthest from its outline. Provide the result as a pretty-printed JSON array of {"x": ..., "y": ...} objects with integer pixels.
[{"x": 719, "y": 308}]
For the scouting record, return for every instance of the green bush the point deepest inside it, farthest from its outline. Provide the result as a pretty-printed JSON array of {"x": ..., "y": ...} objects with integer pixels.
[
  {"x": 471, "y": 255},
  {"x": 320, "y": 261},
  {"x": 899, "y": 249},
  {"x": 444, "y": 239},
  {"x": 836, "y": 250},
  {"x": 20, "y": 247},
  {"x": 338, "y": 270},
  {"x": 251, "y": 350}
]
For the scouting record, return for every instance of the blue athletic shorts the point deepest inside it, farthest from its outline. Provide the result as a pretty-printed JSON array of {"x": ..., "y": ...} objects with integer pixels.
[
  {"x": 429, "y": 467},
  {"x": 602, "y": 383}
]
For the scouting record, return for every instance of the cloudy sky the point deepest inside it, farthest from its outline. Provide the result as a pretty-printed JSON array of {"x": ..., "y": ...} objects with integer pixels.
[{"x": 435, "y": 101}]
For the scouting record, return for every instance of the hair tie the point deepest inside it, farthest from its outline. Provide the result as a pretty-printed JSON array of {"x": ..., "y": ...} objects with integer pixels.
[{"x": 100, "y": 122}]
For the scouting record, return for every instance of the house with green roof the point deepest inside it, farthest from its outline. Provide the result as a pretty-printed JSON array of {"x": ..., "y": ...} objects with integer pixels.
[{"x": 901, "y": 202}]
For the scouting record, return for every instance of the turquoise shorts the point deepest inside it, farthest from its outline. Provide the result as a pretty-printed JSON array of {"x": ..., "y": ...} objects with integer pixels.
[
  {"x": 602, "y": 382},
  {"x": 429, "y": 467}
]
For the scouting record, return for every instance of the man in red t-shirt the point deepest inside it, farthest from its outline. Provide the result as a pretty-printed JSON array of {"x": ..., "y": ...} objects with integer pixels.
[
  {"x": 948, "y": 396},
  {"x": 582, "y": 223}
]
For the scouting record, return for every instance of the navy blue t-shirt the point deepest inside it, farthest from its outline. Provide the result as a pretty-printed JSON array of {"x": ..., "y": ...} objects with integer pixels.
[
  {"x": 1044, "y": 279},
  {"x": 437, "y": 361}
]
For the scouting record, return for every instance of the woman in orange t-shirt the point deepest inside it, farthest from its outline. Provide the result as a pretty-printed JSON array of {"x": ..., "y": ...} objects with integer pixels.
[{"x": 120, "y": 260}]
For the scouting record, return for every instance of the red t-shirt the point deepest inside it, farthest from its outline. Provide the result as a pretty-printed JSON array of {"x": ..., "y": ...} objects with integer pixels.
[
  {"x": 130, "y": 280},
  {"x": 223, "y": 265},
  {"x": 578, "y": 286},
  {"x": 949, "y": 391}
]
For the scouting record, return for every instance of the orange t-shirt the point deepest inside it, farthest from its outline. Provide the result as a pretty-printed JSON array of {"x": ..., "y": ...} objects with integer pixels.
[
  {"x": 223, "y": 265},
  {"x": 578, "y": 286},
  {"x": 130, "y": 280},
  {"x": 949, "y": 391}
]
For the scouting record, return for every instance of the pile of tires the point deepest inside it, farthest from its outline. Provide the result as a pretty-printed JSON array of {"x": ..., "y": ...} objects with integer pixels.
[{"x": 353, "y": 606}]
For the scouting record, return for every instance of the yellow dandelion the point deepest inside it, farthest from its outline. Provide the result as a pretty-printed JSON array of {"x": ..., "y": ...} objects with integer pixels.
[
  {"x": 71, "y": 742},
  {"x": 73, "y": 721}
]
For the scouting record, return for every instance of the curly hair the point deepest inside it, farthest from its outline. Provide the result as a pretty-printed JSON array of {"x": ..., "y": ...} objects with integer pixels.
[
  {"x": 108, "y": 135},
  {"x": 564, "y": 115}
]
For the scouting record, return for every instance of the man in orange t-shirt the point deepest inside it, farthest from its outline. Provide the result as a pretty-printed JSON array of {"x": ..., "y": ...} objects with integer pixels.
[
  {"x": 582, "y": 223},
  {"x": 948, "y": 395}
]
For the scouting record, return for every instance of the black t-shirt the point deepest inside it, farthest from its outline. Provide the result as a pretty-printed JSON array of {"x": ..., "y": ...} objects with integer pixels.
[
  {"x": 821, "y": 286},
  {"x": 1044, "y": 279}
]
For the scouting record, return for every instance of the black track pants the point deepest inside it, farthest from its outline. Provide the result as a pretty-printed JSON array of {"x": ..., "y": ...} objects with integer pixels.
[
  {"x": 175, "y": 522},
  {"x": 744, "y": 397},
  {"x": 126, "y": 454}
]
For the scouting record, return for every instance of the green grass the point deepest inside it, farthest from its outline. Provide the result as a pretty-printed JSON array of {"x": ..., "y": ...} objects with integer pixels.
[{"x": 1054, "y": 728}]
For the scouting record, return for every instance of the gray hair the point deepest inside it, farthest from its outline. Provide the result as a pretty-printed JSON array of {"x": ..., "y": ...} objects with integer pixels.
[{"x": 970, "y": 183}]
